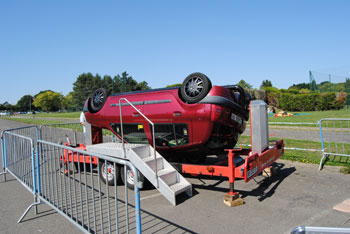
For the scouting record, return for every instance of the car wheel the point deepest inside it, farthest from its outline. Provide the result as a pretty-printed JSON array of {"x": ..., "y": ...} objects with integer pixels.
[
  {"x": 195, "y": 87},
  {"x": 98, "y": 99},
  {"x": 130, "y": 178},
  {"x": 108, "y": 178}
]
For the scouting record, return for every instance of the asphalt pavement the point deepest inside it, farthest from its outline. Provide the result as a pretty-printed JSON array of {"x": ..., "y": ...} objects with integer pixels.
[{"x": 298, "y": 194}]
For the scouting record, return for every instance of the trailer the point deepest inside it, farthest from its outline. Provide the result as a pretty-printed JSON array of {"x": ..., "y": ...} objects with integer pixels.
[{"x": 241, "y": 163}]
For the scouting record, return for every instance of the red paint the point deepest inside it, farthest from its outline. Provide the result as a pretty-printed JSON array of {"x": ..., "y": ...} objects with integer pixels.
[
  {"x": 77, "y": 157},
  {"x": 201, "y": 119},
  {"x": 258, "y": 161}
]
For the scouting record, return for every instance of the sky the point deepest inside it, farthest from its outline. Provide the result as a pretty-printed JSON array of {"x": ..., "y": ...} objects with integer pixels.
[{"x": 48, "y": 44}]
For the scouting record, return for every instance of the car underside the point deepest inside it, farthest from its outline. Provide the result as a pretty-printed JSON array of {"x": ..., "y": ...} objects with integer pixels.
[{"x": 196, "y": 118}]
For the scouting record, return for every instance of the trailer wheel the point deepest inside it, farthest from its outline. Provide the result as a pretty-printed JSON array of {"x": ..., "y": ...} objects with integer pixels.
[
  {"x": 98, "y": 99},
  {"x": 195, "y": 87},
  {"x": 108, "y": 178},
  {"x": 130, "y": 178}
]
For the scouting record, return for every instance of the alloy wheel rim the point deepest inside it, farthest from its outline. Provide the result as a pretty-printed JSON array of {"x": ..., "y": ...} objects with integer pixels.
[
  {"x": 110, "y": 172},
  {"x": 194, "y": 87}
]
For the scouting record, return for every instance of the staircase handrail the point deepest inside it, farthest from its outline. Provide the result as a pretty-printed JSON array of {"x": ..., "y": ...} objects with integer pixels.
[{"x": 153, "y": 135}]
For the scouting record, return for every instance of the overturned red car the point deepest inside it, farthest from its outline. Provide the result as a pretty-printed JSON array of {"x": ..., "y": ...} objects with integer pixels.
[{"x": 196, "y": 117}]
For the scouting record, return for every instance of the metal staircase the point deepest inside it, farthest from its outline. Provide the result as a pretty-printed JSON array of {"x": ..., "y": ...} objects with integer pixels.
[{"x": 168, "y": 180}]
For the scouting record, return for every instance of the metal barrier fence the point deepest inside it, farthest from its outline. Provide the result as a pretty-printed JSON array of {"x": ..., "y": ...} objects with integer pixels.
[
  {"x": 335, "y": 138},
  {"x": 67, "y": 179},
  {"x": 18, "y": 159},
  {"x": 69, "y": 132},
  {"x": 62, "y": 133},
  {"x": 29, "y": 131},
  {"x": 319, "y": 230},
  {"x": 75, "y": 191},
  {"x": 19, "y": 153}
]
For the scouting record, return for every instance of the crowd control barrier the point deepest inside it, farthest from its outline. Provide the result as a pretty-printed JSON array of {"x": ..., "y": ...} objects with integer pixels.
[
  {"x": 18, "y": 159},
  {"x": 320, "y": 230},
  {"x": 335, "y": 138},
  {"x": 71, "y": 187},
  {"x": 71, "y": 133}
]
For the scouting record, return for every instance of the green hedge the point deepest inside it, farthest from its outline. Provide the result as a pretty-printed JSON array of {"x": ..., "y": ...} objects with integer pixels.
[{"x": 305, "y": 102}]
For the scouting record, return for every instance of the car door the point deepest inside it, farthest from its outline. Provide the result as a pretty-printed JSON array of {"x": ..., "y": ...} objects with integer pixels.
[{"x": 171, "y": 121}]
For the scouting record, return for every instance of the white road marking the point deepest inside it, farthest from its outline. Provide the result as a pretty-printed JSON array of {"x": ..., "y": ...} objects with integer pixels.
[{"x": 150, "y": 196}]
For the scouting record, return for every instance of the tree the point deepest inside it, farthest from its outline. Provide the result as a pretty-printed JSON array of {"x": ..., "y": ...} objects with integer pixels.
[
  {"x": 87, "y": 83},
  {"x": 83, "y": 87},
  {"x": 48, "y": 101},
  {"x": 107, "y": 83},
  {"x": 300, "y": 86},
  {"x": 44, "y": 91},
  {"x": 127, "y": 83},
  {"x": 142, "y": 86},
  {"x": 266, "y": 83},
  {"x": 244, "y": 84},
  {"x": 8, "y": 107},
  {"x": 25, "y": 103},
  {"x": 67, "y": 102}
]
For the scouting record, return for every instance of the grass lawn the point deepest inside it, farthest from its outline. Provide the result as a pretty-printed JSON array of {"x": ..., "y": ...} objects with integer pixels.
[
  {"x": 311, "y": 117},
  {"x": 293, "y": 155},
  {"x": 33, "y": 121},
  {"x": 65, "y": 115},
  {"x": 300, "y": 117},
  {"x": 302, "y": 155}
]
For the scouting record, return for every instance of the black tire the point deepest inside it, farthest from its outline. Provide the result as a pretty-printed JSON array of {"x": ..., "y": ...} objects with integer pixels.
[
  {"x": 111, "y": 173},
  {"x": 98, "y": 99},
  {"x": 195, "y": 87},
  {"x": 130, "y": 178}
]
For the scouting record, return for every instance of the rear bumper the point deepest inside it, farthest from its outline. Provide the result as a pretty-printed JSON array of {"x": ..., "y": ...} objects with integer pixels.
[{"x": 222, "y": 101}]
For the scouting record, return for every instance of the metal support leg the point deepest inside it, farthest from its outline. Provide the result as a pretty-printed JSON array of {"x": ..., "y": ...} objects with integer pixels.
[
  {"x": 138, "y": 210},
  {"x": 232, "y": 198},
  {"x": 3, "y": 153},
  {"x": 321, "y": 162},
  {"x": 28, "y": 209},
  {"x": 4, "y": 173}
]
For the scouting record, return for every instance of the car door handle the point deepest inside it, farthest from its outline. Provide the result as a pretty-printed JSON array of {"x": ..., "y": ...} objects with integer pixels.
[
  {"x": 177, "y": 113},
  {"x": 135, "y": 114}
]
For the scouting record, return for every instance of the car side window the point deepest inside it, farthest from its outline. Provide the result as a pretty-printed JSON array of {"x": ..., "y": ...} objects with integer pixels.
[
  {"x": 133, "y": 133},
  {"x": 170, "y": 134}
]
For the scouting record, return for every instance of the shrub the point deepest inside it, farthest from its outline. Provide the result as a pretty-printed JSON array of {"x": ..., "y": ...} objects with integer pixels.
[
  {"x": 272, "y": 99},
  {"x": 295, "y": 100},
  {"x": 310, "y": 102},
  {"x": 271, "y": 89},
  {"x": 258, "y": 94}
]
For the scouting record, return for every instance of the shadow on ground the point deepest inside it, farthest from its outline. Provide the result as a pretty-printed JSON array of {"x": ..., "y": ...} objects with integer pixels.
[{"x": 267, "y": 186}]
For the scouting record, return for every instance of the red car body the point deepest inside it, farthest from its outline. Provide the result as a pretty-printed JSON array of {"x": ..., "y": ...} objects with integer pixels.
[{"x": 210, "y": 125}]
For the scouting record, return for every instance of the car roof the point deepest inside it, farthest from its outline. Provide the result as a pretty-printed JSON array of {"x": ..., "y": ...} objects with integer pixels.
[{"x": 144, "y": 91}]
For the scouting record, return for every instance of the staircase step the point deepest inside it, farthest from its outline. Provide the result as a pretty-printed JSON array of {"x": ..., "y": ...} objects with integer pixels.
[
  {"x": 143, "y": 151},
  {"x": 180, "y": 187},
  {"x": 170, "y": 182},
  {"x": 151, "y": 164},
  {"x": 169, "y": 176}
]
